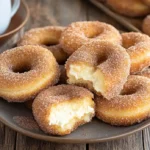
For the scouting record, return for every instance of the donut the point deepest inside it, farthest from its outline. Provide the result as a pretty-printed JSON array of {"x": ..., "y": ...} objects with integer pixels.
[
  {"x": 138, "y": 47},
  {"x": 59, "y": 110},
  {"x": 146, "y": 2},
  {"x": 63, "y": 76},
  {"x": 79, "y": 33},
  {"x": 146, "y": 25},
  {"x": 130, "y": 107},
  {"x": 47, "y": 37},
  {"x": 25, "y": 71},
  {"x": 102, "y": 67},
  {"x": 130, "y": 8}
]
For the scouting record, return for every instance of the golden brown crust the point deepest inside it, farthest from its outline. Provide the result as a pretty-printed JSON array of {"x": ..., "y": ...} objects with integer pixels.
[
  {"x": 44, "y": 36},
  {"x": 138, "y": 47},
  {"x": 79, "y": 33},
  {"x": 25, "y": 71},
  {"x": 131, "y": 106},
  {"x": 57, "y": 95},
  {"x": 146, "y": 25},
  {"x": 131, "y": 8},
  {"x": 115, "y": 68}
]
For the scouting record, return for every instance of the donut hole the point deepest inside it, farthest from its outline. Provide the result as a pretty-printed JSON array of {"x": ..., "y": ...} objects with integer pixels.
[
  {"x": 101, "y": 59},
  {"x": 50, "y": 44},
  {"x": 127, "y": 44},
  {"x": 21, "y": 68},
  {"x": 128, "y": 92}
]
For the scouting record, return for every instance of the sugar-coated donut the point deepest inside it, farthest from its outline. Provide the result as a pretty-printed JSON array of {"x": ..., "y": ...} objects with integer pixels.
[
  {"x": 131, "y": 8},
  {"x": 25, "y": 71},
  {"x": 47, "y": 37},
  {"x": 147, "y": 2},
  {"x": 79, "y": 33},
  {"x": 131, "y": 106},
  {"x": 102, "y": 67},
  {"x": 59, "y": 110},
  {"x": 146, "y": 25},
  {"x": 138, "y": 47}
]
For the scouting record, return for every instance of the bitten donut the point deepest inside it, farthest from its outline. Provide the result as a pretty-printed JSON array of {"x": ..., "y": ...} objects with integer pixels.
[
  {"x": 131, "y": 8},
  {"x": 102, "y": 67},
  {"x": 146, "y": 25},
  {"x": 79, "y": 33},
  {"x": 59, "y": 110},
  {"x": 131, "y": 106},
  {"x": 25, "y": 71},
  {"x": 138, "y": 47},
  {"x": 47, "y": 37},
  {"x": 147, "y": 2}
]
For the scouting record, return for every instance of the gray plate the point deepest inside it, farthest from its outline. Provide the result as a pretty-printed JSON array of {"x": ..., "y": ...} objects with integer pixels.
[{"x": 96, "y": 131}]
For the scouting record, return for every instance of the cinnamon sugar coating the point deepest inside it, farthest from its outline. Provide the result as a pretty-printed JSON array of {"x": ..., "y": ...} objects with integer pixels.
[
  {"x": 25, "y": 71},
  {"x": 131, "y": 106},
  {"x": 47, "y": 37},
  {"x": 47, "y": 102},
  {"x": 79, "y": 33},
  {"x": 107, "y": 60},
  {"x": 145, "y": 72},
  {"x": 138, "y": 47},
  {"x": 131, "y": 8}
]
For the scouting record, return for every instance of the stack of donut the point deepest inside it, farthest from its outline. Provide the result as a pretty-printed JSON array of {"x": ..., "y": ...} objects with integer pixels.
[
  {"x": 133, "y": 8},
  {"x": 69, "y": 75}
]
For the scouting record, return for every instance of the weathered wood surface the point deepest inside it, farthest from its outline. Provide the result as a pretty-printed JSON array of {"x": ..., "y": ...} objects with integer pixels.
[{"x": 63, "y": 12}]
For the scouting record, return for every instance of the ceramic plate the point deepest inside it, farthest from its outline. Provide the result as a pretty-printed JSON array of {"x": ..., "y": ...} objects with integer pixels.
[{"x": 19, "y": 118}]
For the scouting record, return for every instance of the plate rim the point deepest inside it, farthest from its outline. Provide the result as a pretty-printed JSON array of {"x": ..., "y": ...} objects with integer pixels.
[{"x": 60, "y": 139}]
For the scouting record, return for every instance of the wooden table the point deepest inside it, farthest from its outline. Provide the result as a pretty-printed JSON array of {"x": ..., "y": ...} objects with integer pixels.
[{"x": 63, "y": 12}]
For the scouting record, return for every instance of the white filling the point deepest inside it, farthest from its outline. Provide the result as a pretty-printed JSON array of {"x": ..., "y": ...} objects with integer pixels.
[
  {"x": 87, "y": 73},
  {"x": 62, "y": 114}
]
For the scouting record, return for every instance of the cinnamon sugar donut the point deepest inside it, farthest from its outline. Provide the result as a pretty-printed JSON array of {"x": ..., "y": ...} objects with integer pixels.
[
  {"x": 102, "y": 67},
  {"x": 25, "y": 71},
  {"x": 131, "y": 8},
  {"x": 79, "y": 33},
  {"x": 131, "y": 106},
  {"x": 59, "y": 110},
  {"x": 146, "y": 25},
  {"x": 47, "y": 37},
  {"x": 138, "y": 47},
  {"x": 147, "y": 2}
]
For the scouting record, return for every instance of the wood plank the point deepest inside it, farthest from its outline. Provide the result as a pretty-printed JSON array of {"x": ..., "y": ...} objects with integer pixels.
[
  {"x": 146, "y": 138},
  {"x": 44, "y": 13},
  {"x": 27, "y": 143},
  {"x": 132, "y": 142}
]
